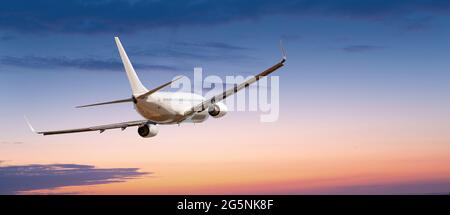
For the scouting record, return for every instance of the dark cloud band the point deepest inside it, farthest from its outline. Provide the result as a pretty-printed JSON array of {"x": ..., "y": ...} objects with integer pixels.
[
  {"x": 37, "y": 62},
  {"x": 14, "y": 179},
  {"x": 122, "y": 16}
]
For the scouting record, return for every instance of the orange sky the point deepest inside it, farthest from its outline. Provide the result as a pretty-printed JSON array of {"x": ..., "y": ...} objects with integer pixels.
[{"x": 252, "y": 157}]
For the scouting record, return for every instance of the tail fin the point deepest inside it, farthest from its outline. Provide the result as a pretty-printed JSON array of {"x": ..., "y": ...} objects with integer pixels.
[{"x": 136, "y": 85}]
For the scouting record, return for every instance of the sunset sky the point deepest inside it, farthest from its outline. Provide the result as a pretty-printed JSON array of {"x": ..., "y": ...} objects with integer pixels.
[{"x": 364, "y": 97}]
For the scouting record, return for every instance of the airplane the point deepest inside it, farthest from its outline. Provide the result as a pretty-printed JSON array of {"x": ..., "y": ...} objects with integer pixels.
[{"x": 162, "y": 108}]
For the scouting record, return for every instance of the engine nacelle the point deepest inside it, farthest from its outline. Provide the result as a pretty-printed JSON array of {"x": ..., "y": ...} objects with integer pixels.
[
  {"x": 148, "y": 130},
  {"x": 218, "y": 110},
  {"x": 199, "y": 117}
]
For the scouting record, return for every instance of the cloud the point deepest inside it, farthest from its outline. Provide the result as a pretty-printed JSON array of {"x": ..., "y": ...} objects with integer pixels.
[
  {"x": 16, "y": 179},
  {"x": 36, "y": 62},
  {"x": 418, "y": 24},
  {"x": 210, "y": 51},
  {"x": 7, "y": 38},
  {"x": 213, "y": 45},
  {"x": 124, "y": 16},
  {"x": 190, "y": 52},
  {"x": 360, "y": 48},
  {"x": 11, "y": 142}
]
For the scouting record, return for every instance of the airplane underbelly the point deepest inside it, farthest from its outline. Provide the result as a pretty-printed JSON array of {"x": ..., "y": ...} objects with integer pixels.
[{"x": 157, "y": 113}]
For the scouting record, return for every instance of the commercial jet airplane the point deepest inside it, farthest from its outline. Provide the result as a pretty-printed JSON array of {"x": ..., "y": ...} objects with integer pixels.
[{"x": 160, "y": 108}]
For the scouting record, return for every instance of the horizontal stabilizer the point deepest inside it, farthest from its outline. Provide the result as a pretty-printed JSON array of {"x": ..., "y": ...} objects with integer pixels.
[
  {"x": 159, "y": 88},
  {"x": 106, "y": 103}
]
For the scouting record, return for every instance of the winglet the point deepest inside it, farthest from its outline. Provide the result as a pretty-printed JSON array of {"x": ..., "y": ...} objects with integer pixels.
[
  {"x": 30, "y": 126},
  {"x": 283, "y": 51}
]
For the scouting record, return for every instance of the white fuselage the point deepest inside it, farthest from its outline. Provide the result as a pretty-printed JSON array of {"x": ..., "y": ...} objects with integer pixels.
[{"x": 169, "y": 107}]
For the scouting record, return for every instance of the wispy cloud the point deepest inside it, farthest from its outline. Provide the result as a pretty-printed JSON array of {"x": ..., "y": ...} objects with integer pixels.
[
  {"x": 361, "y": 48},
  {"x": 15, "y": 179},
  {"x": 36, "y": 62},
  {"x": 190, "y": 53},
  {"x": 214, "y": 45},
  {"x": 418, "y": 24},
  {"x": 11, "y": 142},
  {"x": 210, "y": 51},
  {"x": 7, "y": 37},
  {"x": 129, "y": 16}
]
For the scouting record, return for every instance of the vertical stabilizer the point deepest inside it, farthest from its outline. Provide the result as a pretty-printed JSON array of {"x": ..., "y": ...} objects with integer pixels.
[{"x": 136, "y": 85}]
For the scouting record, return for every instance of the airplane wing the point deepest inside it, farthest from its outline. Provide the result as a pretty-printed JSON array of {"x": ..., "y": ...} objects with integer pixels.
[
  {"x": 101, "y": 128},
  {"x": 205, "y": 104}
]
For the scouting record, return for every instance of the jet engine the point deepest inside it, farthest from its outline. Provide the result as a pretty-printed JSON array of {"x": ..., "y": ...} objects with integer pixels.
[
  {"x": 218, "y": 110},
  {"x": 148, "y": 130}
]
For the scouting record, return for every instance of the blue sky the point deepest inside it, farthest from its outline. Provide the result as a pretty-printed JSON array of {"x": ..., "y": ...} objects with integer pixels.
[
  {"x": 376, "y": 46},
  {"x": 349, "y": 62}
]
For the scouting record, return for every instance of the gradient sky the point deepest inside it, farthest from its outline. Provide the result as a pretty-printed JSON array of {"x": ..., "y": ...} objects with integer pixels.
[{"x": 364, "y": 97}]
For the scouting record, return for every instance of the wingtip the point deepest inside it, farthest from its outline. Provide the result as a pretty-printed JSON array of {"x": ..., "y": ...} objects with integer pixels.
[
  {"x": 283, "y": 51},
  {"x": 117, "y": 40},
  {"x": 29, "y": 125},
  {"x": 176, "y": 78}
]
